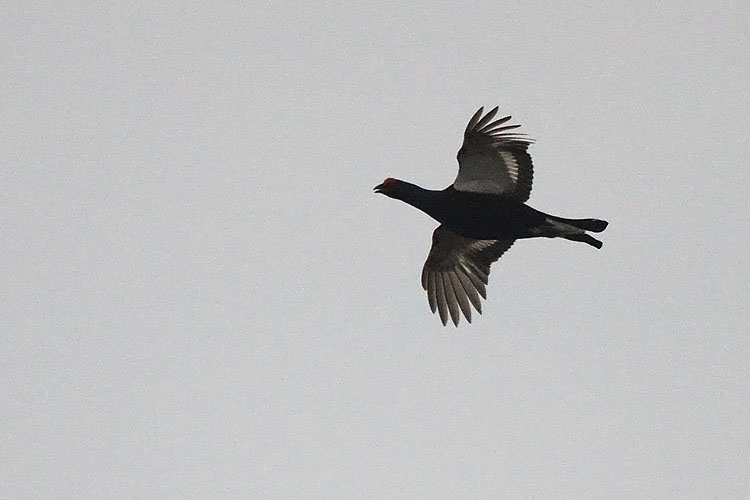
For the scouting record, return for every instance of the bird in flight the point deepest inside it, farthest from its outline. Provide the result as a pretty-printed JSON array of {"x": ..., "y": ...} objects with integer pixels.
[{"x": 481, "y": 214}]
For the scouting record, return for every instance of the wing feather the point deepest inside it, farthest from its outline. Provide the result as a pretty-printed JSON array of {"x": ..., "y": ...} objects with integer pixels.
[
  {"x": 471, "y": 292},
  {"x": 461, "y": 294},
  {"x": 474, "y": 119},
  {"x": 430, "y": 287},
  {"x": 450, "y": 297},
  {"x": 487, "y": 118},
  {"x": 442, "y": 300}
]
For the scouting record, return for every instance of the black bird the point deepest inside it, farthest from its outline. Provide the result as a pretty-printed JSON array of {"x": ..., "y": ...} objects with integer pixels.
[{"x": 481, "y": 214}]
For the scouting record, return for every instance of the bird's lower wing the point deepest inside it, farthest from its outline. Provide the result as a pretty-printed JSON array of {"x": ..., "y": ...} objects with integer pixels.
[{"x": 457, "y": 271}]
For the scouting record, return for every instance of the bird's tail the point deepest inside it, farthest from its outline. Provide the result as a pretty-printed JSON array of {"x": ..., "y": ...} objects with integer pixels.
[
  {"x": 595, "y": 225},
  {"x": 585, "y": 238},
  {"x": 575, "y": 229}
]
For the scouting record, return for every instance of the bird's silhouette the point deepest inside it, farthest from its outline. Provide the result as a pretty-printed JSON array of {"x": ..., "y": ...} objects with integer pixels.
[{"x": 481, "y": 214}]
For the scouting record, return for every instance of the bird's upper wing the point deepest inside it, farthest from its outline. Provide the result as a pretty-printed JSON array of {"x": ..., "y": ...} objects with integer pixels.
[
  {"x": 493, "y": 160},
  {"x": 457, "y": 271}
]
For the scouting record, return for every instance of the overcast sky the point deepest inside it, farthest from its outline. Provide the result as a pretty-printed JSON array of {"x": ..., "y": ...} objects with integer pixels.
[{"x": 202, "y": 297}]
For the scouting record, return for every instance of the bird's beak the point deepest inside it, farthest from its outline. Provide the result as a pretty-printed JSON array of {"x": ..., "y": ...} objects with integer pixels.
[{"x": 379, "y": 188}]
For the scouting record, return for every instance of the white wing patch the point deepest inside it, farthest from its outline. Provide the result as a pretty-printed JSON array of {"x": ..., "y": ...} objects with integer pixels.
[{"x": 511, "y": 165}]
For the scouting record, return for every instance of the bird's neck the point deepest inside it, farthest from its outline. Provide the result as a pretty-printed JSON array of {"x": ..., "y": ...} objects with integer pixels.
[{"x": 427, "y": 200}]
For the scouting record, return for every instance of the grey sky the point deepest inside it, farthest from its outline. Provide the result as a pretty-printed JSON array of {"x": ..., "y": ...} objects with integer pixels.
[{"x": 204, "y": 299}]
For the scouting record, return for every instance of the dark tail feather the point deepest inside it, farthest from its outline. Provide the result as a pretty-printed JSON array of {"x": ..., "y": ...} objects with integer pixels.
[
  {"x": 585, "y": 238},
  {"x": 594, "y": 225}
]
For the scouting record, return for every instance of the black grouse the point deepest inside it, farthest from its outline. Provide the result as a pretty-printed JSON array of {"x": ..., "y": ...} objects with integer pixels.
[{"x": 481, "y": 214}]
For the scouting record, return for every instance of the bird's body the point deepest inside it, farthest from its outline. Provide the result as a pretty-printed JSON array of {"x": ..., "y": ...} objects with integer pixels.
[
  {"x": 486, "y": 216},
  {"x": 481, "y": 214}
]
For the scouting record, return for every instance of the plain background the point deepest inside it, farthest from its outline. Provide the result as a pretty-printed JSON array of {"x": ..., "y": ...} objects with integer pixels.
[{"x": 202, "y": 297}]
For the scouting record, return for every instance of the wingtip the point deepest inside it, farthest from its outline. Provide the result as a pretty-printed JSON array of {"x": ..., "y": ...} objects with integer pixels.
[
  {"x": 474, "y": 119},
  {"x": 486, "y": 119}
]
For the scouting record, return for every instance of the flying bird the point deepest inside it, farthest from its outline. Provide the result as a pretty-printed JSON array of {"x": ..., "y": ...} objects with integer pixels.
[{"x": 481, "y": 214}]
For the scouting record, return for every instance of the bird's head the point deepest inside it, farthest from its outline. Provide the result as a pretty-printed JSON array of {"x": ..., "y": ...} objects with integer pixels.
[{"x": 389, "y": 187}]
